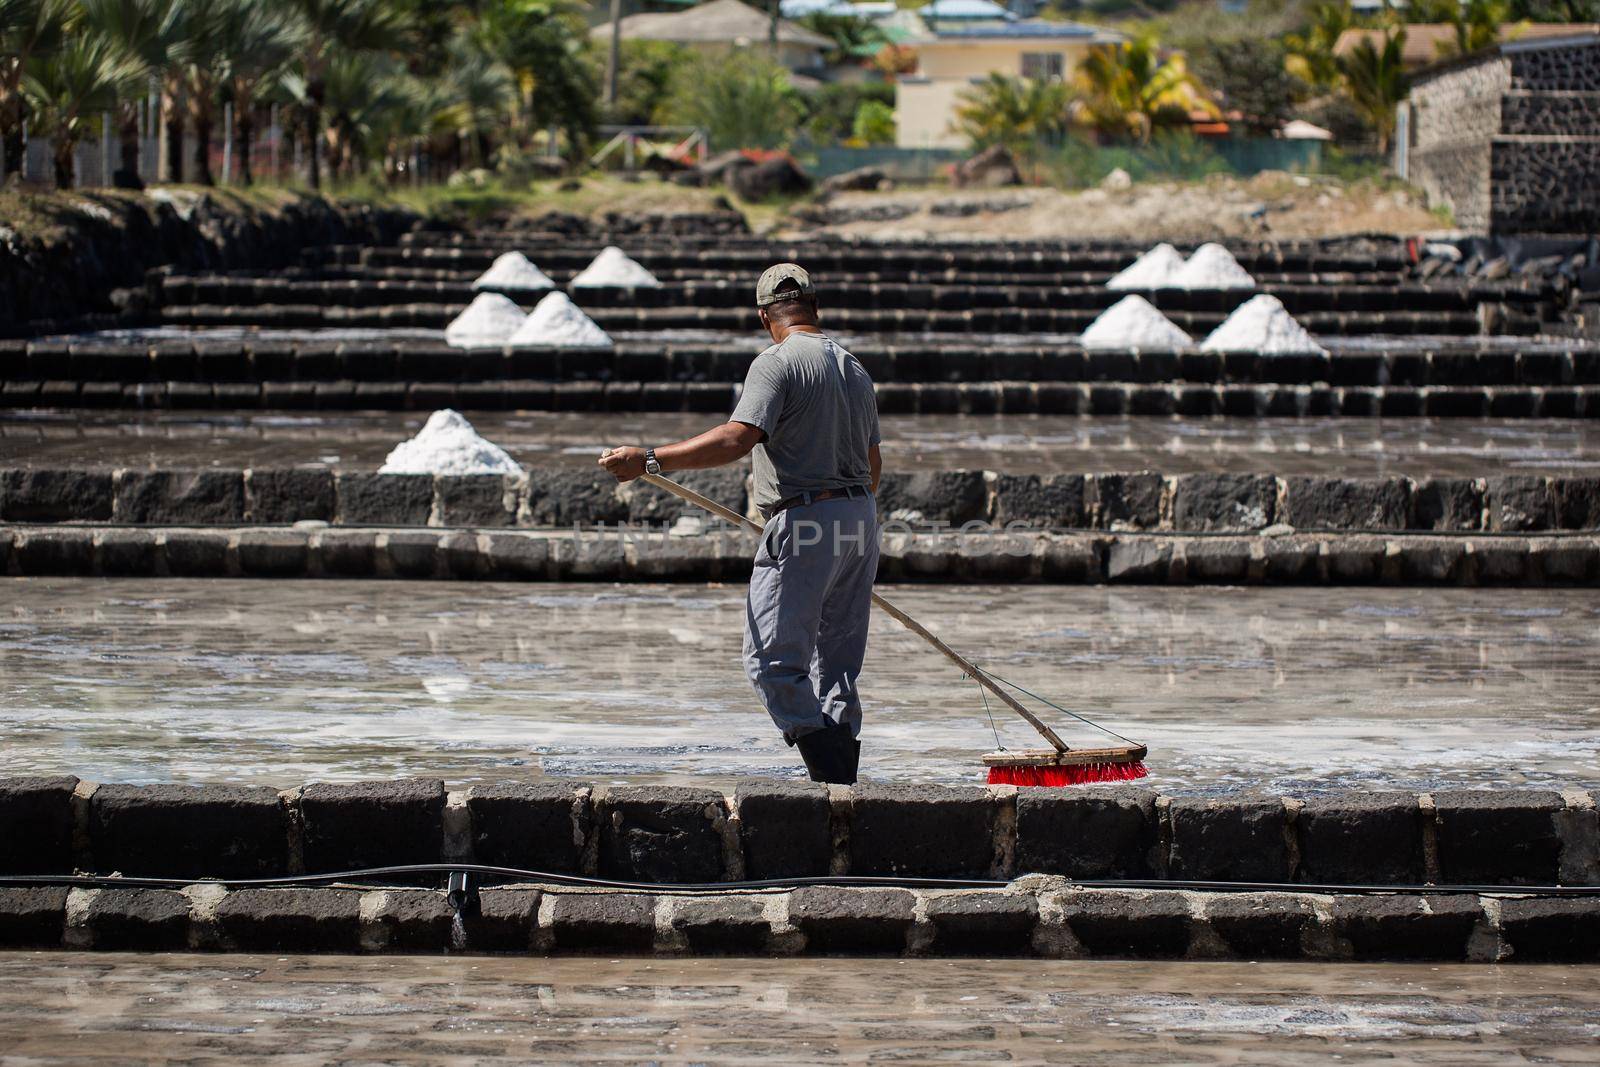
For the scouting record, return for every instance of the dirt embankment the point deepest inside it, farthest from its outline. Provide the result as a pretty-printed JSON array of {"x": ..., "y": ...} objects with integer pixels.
[{"x": 1267, "y": 205}]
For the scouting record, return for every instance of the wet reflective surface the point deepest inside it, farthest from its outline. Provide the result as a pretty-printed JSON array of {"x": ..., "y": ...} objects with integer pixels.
[
  {"x": 1020, "y": 444},
  {"x": 1287, "y": 690},
  {"x": 113, "y": 1008}
]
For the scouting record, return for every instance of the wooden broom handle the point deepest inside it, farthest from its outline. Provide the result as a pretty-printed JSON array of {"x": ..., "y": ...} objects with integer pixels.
[{"x": 899, "y": 616}]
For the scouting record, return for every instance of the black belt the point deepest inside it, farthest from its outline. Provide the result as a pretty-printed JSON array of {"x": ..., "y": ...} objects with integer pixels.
[{"x": 812, "y": 498}]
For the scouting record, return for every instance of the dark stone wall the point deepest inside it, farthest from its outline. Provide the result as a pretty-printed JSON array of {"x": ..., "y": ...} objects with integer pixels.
[
  {"x": 1550, "y": 114},
  {"x": 1549, "y": 185},
  {"x": 1575, "y": 68}
]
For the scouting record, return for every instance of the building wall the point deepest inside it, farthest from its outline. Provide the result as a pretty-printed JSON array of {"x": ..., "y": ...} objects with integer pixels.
[
  {"x": 1453, "y": 118},
  {"x": 926, "y": 103},
  {"x": 925, "y": 111}
]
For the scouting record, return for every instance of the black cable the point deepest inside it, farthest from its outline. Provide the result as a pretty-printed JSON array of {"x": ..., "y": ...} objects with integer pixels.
[{"x": 774, "y": 884}]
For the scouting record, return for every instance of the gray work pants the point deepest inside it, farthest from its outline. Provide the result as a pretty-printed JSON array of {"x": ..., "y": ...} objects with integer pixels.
[{"x": 806, "y": 615}]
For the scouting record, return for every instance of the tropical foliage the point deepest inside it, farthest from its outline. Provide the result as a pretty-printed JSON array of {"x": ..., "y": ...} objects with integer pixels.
[
  {"x": 743, "y": 100},
  {"x": 1376, "y": 82},
  {"x": 1022, "y": 114},
  {"x": 1129, "y": 89}
]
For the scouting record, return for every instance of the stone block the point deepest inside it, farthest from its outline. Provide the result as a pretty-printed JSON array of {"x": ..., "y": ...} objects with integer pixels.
[
  {"x": 1499, "y": 837},
  {"x": 1260, "y": 925},
  {"x": 1504, "y": 562},
  {"x": 180, "y": 498},
  {"x": 1447, "y": 504},
  {"x": 1312, "y": 503},
  {"x": 291, "y": 920},
  {"x": 1292, "y": 560},
  {"x": 1354, "y": 559},
  {"x": 126, "y": 553},
  {"x": 661, "y": 834},
  {"x": 415, "y": 920},
  {"x": 1130, "y": 923},
  {"x": 602, "y": 922},
  {"x": 845, "y": 921},
  {"x": 1432, "y": 561},
  {"x": 540, "y": 826},
  {"x": 1139, "y": 561},
  {"x": 922, "y": 831},
  {"x": 32, "y": 916},
  {"x": 413, "y": 553},
  {"x": 1209, "y": 501},
  {"x": 573, "y": 498},
  {"x": 348, "y": 553},
  {"x": 784, "y": 828},
  {"x": 982, "y": 923},
  {"x": 1519, "y": 502},
  {"x": 477, "y": 500},
  {"x": 1361, "y": 838},
  {"x": 1086, "y": 832},
  {"x": 367, "y": 499},
  {"x": 1577, "y": 503},
  {"x": 273, "y": 553},
  {"x": 180, "y": 831},
  {"x": 1238, "y": 839},
  {"x": 1553, "y": 930},
  {"x": 647, "y": 504},
  {"x": 723, "y": 925},
  {"x": 1128, "y": 501},
  {"x": 933, "y": 496},
  {"x": 1406, "y": 927},
  {"x": 517, "y": 558},
  {"x": 196, "y": 553},
  {"x": 36, "y": 825},
  {"x": 458, "y": 551},
  {"x": 289, "y": 494},
  {"x": 504, "y": 922},
  {"x": 372, "y": 824},
  {"x": 65, "y": 552},
  {"x": 138, "y": 920},
  {"x": 1057, "y": 501},
  {"x": 1217, "y": 559},
  {"x": 55, "y": 496}
]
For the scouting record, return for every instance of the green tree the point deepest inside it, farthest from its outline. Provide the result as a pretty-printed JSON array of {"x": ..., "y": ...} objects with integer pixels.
[
  {"x": 1129, "y": 89},
  {"x": 853, "y": 37},
  {"x": 1249, "y": 74},
  {"x": 258, "y": 44},
  {"x": 742, "y": 100},
  {"x": 482, "y": 92},
  {"x": 28, "y": 29},
  {"x": 70, "y": 85},
  {"x": 874, "y": 123},
  {"x": 1023, "y": 114},
  {"x": 644, "y": 79},
  {"x": 1556, "y": 10},
  {"x": 157, "y": 33},
  {"x": 1376, "y": 82},
  {"x": 336, "y": 29},
  {"x": 1311, "y": 55},
  {"x": 1474, "y": 25}
]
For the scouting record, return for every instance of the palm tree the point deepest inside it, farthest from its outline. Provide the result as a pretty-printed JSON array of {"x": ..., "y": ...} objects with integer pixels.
[
  {"x": 28, "y": 28},
  {"x": 1376, "y": 81},
  {"x": 155, "y": 32},
  {"x": 1311, "y": 57},
  {"x": 257, "y": 43},
  {"x": 1128, "y": 89},
  {"x": 482, "y": 90},
  {"x": 852, "y": 36},
  {"x": 87, "y": 74},
  {"x": 1475, "y": 25},
  {"x": 1018, "y": 113},
  {"x": 543, "y": 43},
  {"x": 334, "y": 28}
]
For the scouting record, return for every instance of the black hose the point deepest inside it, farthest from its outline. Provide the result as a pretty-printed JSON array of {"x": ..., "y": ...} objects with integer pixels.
[{"x": 517, "y": 874}]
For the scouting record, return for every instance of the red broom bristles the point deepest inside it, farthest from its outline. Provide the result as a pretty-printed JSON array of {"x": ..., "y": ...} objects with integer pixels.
[{"x": 1072, "y": 774}]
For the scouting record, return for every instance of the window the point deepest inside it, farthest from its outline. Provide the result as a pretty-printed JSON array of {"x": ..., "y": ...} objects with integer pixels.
[{"x": 1043, "y": 66}]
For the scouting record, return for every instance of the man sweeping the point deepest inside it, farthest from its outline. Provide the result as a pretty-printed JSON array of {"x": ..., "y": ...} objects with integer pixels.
[{"x": 808, "y": 414}]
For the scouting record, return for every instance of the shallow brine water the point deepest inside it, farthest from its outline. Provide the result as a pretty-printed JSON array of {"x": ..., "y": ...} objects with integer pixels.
[
  {"x": 1015, "y": 444},
  {"x": 1293, "y": 690}
]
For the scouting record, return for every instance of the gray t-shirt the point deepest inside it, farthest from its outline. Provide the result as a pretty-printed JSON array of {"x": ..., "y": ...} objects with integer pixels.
[{"x": 815, "y": 403}]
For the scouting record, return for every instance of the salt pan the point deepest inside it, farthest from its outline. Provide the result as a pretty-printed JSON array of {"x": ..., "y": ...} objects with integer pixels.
[
  {"x": 1262, "y": 324},
  {"x": 613, "y": 267},
  {"x": 448, "y": 444},
  {"x": 513, "y": 272},
  {"x": 1212, "y": 267},
  {"x": 489, "y": 320},
  {"x": 1133, "y": 322},
  {"x": 1153, "y": 270},
  {"x": 558, "y": 321}
]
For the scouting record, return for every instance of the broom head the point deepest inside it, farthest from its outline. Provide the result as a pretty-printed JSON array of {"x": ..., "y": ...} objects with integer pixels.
[{"x": 1078, "y": 766}]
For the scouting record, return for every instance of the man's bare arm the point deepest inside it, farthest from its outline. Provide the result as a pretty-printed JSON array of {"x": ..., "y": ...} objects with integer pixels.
[
  {"x": 875, "y": 464},
  {"x": 717, "y": 447}
]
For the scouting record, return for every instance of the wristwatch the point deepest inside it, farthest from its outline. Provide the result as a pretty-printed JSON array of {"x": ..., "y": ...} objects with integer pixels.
[{"x": 651, "y": 464}]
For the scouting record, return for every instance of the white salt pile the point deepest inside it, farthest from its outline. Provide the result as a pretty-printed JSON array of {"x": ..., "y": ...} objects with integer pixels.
[
  {"x": 613, "y": 267},
  {"x": 1153, "y": 270},
  {"x": 513, "y": 271},
  {"x": 1212, "y": 267},
  {"x": 1133, "y": 322},
  {"x": 448, "y": 444},
  {"x": 489, "y": 320},
  {"x": 1262, "y": 324},
  {"x": 558, "y": 321}
]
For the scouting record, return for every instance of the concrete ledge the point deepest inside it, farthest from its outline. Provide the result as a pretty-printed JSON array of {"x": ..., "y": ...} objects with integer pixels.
[{"x": 721, "y": 554}]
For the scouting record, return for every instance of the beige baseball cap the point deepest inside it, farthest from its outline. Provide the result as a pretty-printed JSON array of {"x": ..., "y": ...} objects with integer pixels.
[{"x": 783, "y": 281}]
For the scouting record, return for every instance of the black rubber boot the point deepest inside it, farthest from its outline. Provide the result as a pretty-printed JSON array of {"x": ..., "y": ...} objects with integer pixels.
[{"x": 830, "y": 754}]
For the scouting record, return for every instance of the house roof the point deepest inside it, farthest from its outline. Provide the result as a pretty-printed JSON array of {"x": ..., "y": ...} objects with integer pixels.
[
  {"x": 964, "y": 9},
  {"x": 1023, "y": 30},
  {"x": 1424, "y": 38},
  {"x": 714, "y": 22}
]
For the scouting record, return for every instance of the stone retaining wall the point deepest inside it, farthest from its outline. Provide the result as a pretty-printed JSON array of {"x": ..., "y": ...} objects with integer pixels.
[
  {"x": 1142, "y": 500},
  {"x": 785, "y": 829}
]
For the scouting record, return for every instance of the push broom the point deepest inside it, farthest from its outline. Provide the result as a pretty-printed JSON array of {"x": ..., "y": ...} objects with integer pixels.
[{"x": 1057, "y": 765}]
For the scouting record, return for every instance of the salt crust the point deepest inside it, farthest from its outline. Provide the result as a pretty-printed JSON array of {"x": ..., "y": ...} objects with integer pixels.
[
  {"x": 448, "y": 444},
  {"x": 513, "y": 271},
  {"x": 488, "y": 321},
  {"x": 557, "y": 321},
  {"x": 1153, "y": 270},
  {"x": 613, "y": 268},
  {"x": 1133, "y": 322},
  {"x": 1262, "y": 324},
  {"x": 1212, "y": 267}
]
